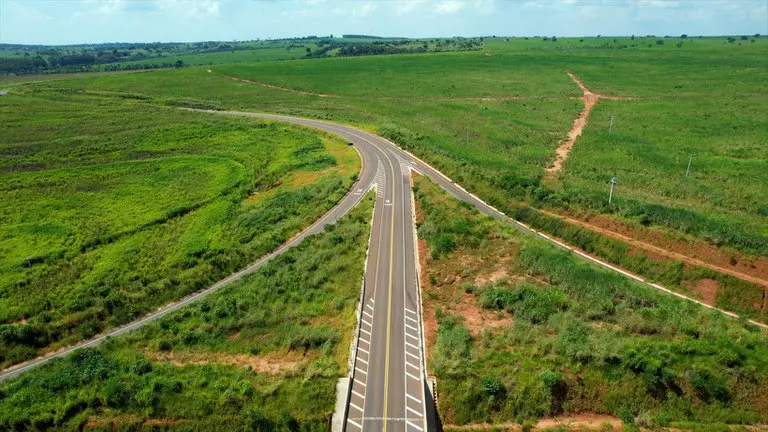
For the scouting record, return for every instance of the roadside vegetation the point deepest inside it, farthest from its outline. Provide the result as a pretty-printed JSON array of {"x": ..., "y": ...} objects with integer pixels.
[
  {"x": 261, "y": 354},
  {"x": 518, "y": 330},
  {"x": 113, "y": 207}
]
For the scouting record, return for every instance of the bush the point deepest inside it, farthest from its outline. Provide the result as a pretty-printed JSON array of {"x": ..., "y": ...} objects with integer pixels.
[
  {"x": 116, "y": 394},
  {"x": 314, "y": 337},
  {"x": 494, "y": 388},
  {"x": 708, "y": 386},
  {"x": 550, "y": 378}
]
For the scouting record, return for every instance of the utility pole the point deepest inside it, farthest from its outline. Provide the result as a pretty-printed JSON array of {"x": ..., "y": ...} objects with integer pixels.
[
  {"x": 614, "y": 180},
  {"x": 610, "y": 130},
  {"x": 29, "y": 264},
  {"x": 688, "y": 170}
]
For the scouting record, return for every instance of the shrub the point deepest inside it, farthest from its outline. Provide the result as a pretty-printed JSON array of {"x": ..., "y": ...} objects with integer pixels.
[
  {"x": 550, "y": 378},
  {"x": 494, "y": 388},
  {"x": 141, "y": 366},
  {"x": 708, "y": 386},
  {"x": 117, "y": 394},
  {"x": 314, "y": 337},
  {"x": 256, "y": 421}
]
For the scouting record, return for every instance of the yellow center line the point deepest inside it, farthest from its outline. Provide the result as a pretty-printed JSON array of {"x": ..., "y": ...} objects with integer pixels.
[{"x": 389, "y": 301}]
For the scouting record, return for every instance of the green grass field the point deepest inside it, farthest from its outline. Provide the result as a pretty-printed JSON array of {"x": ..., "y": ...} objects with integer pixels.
[
  {"x": 261, "y": 354},
  {"x": 704, "y": 97},
  {"x": 114, "y": 207},
  {"x": 518, "y": 330}
]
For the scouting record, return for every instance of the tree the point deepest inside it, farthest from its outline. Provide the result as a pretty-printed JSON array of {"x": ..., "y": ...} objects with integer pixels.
[
  {"x": 179, "y": 63},
  {"x": 659, "y": 41}
]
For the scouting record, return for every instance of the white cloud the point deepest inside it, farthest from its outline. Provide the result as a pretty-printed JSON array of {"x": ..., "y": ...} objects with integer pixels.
[
  {"x": 363, "y": 9},
  {"x": 404, "y": 7},
  {"x": 659, "y": 3},
  {"x": 23, "y": 12},
  {"x": 484, "y": 6},
  {"x": 449, "y": 6},
  {"x": 190, "y": 8}
]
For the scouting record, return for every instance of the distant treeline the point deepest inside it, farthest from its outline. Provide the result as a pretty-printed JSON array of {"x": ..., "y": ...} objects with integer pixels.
[
  {"x": 74, "y": 63},
  {"x": 360, "y": 36},
  {"x": 383, "y": 47}
]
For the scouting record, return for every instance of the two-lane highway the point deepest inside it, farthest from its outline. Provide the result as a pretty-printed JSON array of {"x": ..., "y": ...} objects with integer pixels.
[{"x": 387, "y": 373}]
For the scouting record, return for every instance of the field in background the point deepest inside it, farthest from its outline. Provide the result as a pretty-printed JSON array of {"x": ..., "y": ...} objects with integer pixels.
[
  {"x": 518, "y": 330},
  {"x": 493, "y": 119},
  {"x": 113, "y": 207},
  {"x": 261, "y": 354},
  {"x": 39, "y": 59}
]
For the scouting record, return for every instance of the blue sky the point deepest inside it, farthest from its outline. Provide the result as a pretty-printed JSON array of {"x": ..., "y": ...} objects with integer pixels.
[{"x": 91, "y": 21}]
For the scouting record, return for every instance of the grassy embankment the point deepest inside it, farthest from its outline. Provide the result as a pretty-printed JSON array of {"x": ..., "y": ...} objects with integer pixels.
[
  {"x": 261, "y": 354},
  {"x": 518, "y": 330},
  {"x": 113, "y": 207}
]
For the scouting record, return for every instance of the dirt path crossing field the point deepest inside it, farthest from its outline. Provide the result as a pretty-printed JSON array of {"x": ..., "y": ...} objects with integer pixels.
[{"x": 590, "y": 98}]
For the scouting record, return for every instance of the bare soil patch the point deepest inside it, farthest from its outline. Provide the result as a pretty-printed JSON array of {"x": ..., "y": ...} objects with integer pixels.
[
  {"x": 590, "y": 98},
  {"x": 478, "y": 319},
  {"x": 572, "y": 422},
  {"x": 752, "y": 270},
  {"x": 272, "y": 86},
  {"x": 271, "y": 364},
  {"x": 491, "y": 278},
  {"x": 565, "y": 147},
  {"x": 706, "y": 289}
]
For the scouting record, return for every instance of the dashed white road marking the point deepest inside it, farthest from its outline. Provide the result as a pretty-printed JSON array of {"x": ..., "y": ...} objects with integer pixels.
[
  {"x": 361, "y": 371},
  {"x": 412, "y": 355},
  {"x": 412, "y": 410},
  {"x": 413, "y": 425},
  {"x": 411, "y": 375},
  {"x": 413, "y": 398},
  {"x": 360, "y": 382},
  {"x": 355, "y": 423},
  {"x": 358, "y": 394},
  {"x": 411, "y": 327},
  {"x": 361, "y": 360},
  {"x": 352, "y": 404},
  {"x": 411, "y": 345},
  {"x": 365, "y": 331},
  {"x": 412, "y": 319},
  {"x": 363, "y": 350},
  {"x": 410, "y": 335}
]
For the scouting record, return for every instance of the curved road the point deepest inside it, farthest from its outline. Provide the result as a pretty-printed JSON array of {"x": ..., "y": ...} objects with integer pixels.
[{"x": 387, "y": 376}]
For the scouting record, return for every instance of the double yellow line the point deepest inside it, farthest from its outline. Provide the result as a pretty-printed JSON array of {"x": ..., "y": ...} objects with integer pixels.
[
  {"x": 391, "y": 270},
  {"x": 389, "y": 300}
]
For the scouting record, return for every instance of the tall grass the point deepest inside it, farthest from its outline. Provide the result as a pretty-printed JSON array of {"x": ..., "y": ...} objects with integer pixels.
[
  {"x": 114, "y": 207},
  {"x": 578, "y": 339},
  {"x": 297, "y": 311}
]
